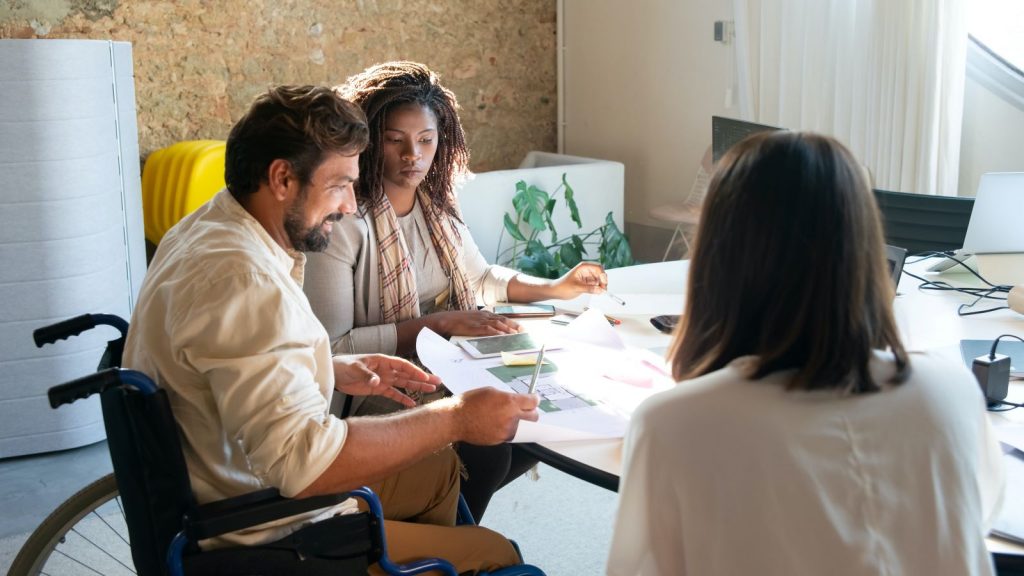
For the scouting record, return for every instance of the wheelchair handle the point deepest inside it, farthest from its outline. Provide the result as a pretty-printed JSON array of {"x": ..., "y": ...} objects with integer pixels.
[
  {"x": 97, "y": 383},
  {"x": 75, "y": 326}
]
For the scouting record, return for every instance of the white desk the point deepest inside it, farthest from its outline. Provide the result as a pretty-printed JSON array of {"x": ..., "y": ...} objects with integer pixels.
[{"x": 927, "y": 320}]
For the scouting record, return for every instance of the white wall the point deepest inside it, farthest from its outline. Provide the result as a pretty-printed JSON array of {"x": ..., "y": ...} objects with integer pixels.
[
  {"x": 642, "y": 80},
  {"x": 992, "y": 139}
]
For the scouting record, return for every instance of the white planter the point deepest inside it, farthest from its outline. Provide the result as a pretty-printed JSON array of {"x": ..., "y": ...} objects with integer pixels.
[
  {"x": 70, "y": 226},
  {"x": 598, "y": 187}
]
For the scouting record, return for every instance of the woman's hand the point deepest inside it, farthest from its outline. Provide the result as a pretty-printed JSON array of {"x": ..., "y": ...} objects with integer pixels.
[
  {"x": 471, "y": 323},
  {"x": 585, "y": 278},
  {"x": 380, "y": 375}
]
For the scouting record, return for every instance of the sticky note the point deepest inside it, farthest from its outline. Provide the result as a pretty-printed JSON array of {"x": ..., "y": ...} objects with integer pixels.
[{"x": 509, "y": 359}]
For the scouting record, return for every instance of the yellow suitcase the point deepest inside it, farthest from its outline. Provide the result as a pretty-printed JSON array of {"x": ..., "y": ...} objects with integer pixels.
[{"x": 178, "y": 179}]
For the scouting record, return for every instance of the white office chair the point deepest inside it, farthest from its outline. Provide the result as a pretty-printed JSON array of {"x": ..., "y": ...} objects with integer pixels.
[{"x": 686, "y": 214}]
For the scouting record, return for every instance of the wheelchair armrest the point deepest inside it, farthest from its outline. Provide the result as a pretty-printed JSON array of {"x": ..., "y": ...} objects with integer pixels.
[{"x": 254, "y": 508}]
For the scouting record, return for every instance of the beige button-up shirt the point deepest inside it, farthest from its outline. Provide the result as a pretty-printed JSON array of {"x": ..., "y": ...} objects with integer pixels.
[{"x": 223, "y": 325}]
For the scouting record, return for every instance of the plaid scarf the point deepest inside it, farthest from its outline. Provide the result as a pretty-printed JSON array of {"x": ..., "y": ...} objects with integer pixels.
[{"x": 399, "y": 299}]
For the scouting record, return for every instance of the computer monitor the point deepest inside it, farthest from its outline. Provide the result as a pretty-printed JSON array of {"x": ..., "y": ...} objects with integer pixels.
[
  {"x": 726, "y": 132},
  {"x": 895, "y": 256},
  {"x": 997, "y": 221},
  {"x": 995, "y": 234}
]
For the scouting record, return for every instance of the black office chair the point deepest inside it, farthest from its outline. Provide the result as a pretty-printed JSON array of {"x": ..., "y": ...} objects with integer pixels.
[
  {"x": 1008, "y": 564},
  {"x": 165, "y": 523},
  {"x": 923, "y": 223}
]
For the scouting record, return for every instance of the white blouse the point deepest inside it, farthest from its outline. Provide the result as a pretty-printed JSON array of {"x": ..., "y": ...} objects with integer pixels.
[{"x": 725, "y": 475}]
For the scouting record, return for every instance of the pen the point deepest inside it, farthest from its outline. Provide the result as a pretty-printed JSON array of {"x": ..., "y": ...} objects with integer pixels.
[
  {"x": 536, "y": 369},
  {"x": 616, "y": 298}
]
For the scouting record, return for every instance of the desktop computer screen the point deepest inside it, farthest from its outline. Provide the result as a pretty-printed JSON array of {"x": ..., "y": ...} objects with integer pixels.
[
  {"x": 726, "y": 132},
  {"x": 995, "y": 223}
]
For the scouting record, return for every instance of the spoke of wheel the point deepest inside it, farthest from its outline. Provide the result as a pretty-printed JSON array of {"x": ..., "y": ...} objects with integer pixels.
[
  {"x": 112, "y": 529},
  {"x": 119, "y": 507},
  {"x": 101, "y": 549},
  {"x": 76, "y": 561}
]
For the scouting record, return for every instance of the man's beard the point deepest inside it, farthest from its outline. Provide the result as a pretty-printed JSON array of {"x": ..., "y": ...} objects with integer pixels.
[{"x": 311, "y": 239}]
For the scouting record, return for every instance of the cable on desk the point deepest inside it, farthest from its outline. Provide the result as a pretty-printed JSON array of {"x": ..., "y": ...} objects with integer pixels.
[
  {"x": 990, "y": 293},
  {"x": 919, "y": 256},
  {"x": 992, "y": 351},
  {"x": 1000, "y": 406}
]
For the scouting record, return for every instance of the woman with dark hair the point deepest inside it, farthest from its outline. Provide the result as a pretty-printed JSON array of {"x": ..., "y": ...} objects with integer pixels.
[
  {"x": 406, "y": 261},
  {"x": 802, "y": 438}
]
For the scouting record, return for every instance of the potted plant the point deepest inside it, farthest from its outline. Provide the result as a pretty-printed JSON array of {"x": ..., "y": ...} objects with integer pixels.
[{"x": 530, "y": 254}]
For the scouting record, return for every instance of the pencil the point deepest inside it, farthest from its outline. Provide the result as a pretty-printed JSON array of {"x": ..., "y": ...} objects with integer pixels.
[
  {"x": 536, "y": 370},
  {"x": 616, "y": 298},
  {"x": 611, "y": 320}
]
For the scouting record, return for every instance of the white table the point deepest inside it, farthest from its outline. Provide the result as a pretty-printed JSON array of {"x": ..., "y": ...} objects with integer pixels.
[{"x": 927, "y": 320}]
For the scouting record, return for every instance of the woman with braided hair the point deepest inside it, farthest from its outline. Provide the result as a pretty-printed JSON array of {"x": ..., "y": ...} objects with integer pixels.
[{"x": 406, "y": 261}]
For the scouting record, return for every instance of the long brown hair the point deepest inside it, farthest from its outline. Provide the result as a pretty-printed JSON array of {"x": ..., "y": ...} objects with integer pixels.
[
  {"x": 789, "y": 266},
  {"x": 380, "y": 89}
]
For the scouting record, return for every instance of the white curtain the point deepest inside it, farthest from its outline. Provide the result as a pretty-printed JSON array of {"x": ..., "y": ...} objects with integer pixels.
[{"x": 886, "y": 77}]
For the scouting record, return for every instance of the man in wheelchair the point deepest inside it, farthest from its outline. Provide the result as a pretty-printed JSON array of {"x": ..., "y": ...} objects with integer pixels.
[{"x": 222, "y": 324}]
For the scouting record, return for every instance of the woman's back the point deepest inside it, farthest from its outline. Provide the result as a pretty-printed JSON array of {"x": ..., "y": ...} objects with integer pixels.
[{"x": 726, "y": 475}]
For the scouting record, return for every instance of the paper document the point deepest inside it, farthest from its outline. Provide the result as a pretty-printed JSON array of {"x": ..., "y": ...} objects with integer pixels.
[
  {"x": 588, "y": 388},
  {"x": 1009, "y": 523},
  {"x": 1008, "y": 432},
  {"x": 637, "y": 304}
]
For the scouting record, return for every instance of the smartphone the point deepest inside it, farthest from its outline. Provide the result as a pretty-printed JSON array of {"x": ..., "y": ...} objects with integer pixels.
[
  {"x": 666, "y": 322},
  {"x": 524, "y": 310},
  {"x": 489, "y": 346}
]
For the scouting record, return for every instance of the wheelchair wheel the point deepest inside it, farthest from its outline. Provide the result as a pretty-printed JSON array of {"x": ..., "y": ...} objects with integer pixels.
[{"x": 87, "y": 534}]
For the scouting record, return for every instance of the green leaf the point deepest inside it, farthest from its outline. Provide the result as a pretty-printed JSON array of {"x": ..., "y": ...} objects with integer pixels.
[
  {"x": 520, "y": 199},
  {"x": 614, "y": 248},
  {"x": 547, "y": 219},
  {"x": 542, "y": 260},
  {"x": 550, "y": 206},
  {"x": 570, "y": 255},
  {"x": 512, "y": 229},
  {"x": 534, "y": 208},
  {"x": 531, "y": 266},
  {"x": 577, "y": 243},
  {"x": 570, "y": 201}
]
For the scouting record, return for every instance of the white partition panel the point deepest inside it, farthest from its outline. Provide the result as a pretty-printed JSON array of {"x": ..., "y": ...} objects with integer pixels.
[
  {"x": 598, "y": 187},
  {"x": 70, "y": 226}
]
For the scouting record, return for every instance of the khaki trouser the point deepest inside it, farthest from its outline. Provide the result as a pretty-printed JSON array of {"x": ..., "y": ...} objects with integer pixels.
[{"x": 420, "y": 505}]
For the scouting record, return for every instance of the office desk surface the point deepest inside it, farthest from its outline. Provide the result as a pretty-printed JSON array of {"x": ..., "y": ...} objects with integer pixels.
[{"x": 927, "y": 320}]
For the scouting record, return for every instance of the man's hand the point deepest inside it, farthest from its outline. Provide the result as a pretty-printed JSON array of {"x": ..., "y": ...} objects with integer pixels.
[
  {"x": 472, "y": 323},
  {"x": 488, "y": 416},
  {"x": 380, "y": 375}
]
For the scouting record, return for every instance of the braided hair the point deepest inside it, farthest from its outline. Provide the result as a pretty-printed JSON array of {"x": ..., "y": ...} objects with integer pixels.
[{"x": 382, "y": 88}]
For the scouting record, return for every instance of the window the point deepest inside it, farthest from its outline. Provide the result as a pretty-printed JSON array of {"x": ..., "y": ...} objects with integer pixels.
[
  {"x": 995, "y": 52},
  {"x": 998, "y": 25}
]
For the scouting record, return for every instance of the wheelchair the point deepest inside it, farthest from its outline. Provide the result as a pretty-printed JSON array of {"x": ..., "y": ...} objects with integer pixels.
[{"x": 143, "y": 518}]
